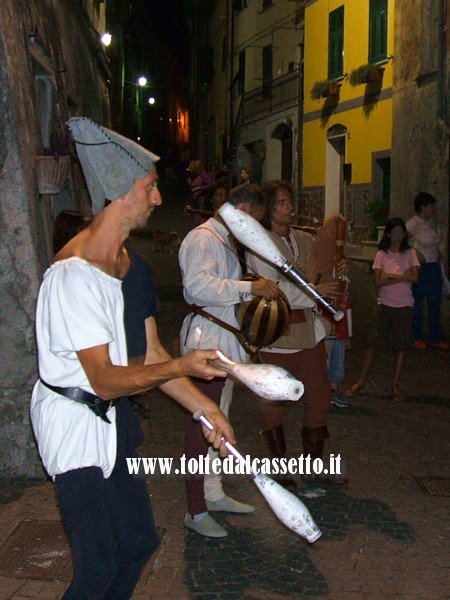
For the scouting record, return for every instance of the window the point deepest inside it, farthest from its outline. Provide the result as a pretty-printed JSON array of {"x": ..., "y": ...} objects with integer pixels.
[
  {"x": 267, "y": 70},
  {"x": 377, "y": 30},
  {"x": 239, "y": 5},
  {"x": 267, "y": 4},
  {"x": 336, "y": 43},
  {"x": 241, "y": 73}
]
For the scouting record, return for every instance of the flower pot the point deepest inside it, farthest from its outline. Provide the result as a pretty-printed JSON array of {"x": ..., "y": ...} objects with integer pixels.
[
  {"x": 51, "y": 173},
  {"x": 373, "y": 76},
  {"x": 333, "y": 91}
]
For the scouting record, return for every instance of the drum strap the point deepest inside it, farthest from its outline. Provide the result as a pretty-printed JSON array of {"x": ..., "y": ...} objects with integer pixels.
[{"x": 252, "y": 350}]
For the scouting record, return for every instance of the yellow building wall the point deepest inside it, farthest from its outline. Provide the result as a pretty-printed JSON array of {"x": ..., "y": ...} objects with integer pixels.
[{"x": 369, "y": 126}]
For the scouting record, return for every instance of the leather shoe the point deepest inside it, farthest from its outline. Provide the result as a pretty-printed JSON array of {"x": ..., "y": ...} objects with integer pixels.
[
  {"x": 419, "y": 345},
  {"x": 229, "y": 505},
  {"x": 205, "y": 526},
  {"x": 440, "y": 345}
]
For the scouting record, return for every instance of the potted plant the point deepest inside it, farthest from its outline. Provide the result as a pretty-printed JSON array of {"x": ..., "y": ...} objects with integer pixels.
[
  {"x": 366, "y": 74},
  {"x": 377, "y": 212},
  {"x": 51, "y": 173},
  {"x": 325, "y": 88}
]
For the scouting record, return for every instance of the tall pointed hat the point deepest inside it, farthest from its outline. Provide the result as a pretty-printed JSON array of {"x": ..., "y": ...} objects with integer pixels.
[{"x": 111, "y": 162}]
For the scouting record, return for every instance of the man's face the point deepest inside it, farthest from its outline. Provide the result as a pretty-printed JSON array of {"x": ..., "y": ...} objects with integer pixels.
[
  {"x": 219, "y": 198},
  {"x": 143, "y": 197},
  {"x": 428, "y": 211},
  {"x": 282, "y": 208}
]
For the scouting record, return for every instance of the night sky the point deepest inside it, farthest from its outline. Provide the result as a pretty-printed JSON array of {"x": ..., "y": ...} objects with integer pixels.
[{"x": 168, "y": 23}]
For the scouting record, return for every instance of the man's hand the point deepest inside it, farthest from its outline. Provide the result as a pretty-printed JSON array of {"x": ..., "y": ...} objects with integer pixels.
[
  {"x": 342, "y": 268},
  {"x": 265, "y": 287},
  {"x": 328, "y": 290},
  {"x": 221, "y": 433},
  {"x": 196, "y": 364}
]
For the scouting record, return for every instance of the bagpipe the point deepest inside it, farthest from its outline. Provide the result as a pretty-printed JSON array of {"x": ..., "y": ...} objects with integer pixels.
[{"x": 323, "y": 266}]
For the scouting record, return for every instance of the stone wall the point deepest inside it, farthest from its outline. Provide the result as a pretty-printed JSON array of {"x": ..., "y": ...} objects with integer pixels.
[
  {"x": 420, "y": 146},
  {"x": 36, "y": 28}
]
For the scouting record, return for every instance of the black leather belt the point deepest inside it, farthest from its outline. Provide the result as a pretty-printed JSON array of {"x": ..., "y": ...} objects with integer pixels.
[{"x": 97, "y": 405}]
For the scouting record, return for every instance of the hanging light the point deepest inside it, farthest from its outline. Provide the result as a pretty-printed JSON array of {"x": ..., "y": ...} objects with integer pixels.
[{"x": 106, "y": 39}]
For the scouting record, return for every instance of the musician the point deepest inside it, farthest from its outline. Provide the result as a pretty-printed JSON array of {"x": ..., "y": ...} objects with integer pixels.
[
  {"x": 323, "y": 266},
  {"x": 301, "y": 350},
  {"x": 212, "y": 274}
]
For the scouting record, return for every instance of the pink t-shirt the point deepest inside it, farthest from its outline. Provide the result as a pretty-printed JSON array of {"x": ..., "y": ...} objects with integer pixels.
[{"x": 398, "y": 294}]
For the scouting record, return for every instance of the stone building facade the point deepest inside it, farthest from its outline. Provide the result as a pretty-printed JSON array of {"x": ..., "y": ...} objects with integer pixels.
[
  {"x": 52, "y": 66},
  {"x": 421, "y": 108}
]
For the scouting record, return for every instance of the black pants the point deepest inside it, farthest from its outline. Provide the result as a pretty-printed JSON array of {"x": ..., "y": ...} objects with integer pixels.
[{"x": 109, "y": 523}]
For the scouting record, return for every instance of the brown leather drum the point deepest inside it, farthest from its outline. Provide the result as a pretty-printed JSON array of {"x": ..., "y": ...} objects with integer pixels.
[{"x": 263, "y": 321}]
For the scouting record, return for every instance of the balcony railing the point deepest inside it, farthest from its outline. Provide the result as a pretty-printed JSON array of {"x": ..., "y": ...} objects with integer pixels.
[{"x": 282, "y": 93}]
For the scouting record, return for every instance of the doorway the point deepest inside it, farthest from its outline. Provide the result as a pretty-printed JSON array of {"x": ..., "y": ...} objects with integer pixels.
[{"x": 335, "y": 159}]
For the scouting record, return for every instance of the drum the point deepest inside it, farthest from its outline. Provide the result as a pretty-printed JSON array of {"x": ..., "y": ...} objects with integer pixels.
[{"x": 263, "y": 321}]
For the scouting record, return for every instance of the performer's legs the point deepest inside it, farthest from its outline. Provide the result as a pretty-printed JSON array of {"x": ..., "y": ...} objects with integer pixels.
[
  {"x": 134, "y": 530},
  {"x": 195, "y": 446},
  {"x": 212, "y": 485},
  {"x": 82, "y": 500}
]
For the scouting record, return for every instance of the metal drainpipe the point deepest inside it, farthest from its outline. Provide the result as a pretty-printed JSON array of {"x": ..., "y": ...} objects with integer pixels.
[
  {"x": 300, "y": 130},
  {"x": 443, "y": 115},
  {"x": 231, "y": 86}
]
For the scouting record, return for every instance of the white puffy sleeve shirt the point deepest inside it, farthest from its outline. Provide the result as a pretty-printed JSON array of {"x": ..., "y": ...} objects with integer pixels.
[
  {"x": 211, "y": 279},
  {"x": 79, "y": 307}
]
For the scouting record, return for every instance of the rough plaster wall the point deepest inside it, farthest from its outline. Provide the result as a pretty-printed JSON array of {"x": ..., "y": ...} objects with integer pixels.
[
  {"x": 420, "y": 145},
  {"x": 19, "y": 267},
  {"x": 62, "y": 29}
]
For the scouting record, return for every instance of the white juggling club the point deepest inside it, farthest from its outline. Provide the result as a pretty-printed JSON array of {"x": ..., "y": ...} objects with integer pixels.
[
  {"x": 252, "y": 234},
  {"x": 288, "y": 508},
  {"x": 268, "y": 381}
]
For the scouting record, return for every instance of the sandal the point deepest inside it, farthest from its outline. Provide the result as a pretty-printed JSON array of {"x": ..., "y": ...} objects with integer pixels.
[
  {"x": 397, "y": 395},
  {"x": 356, "y": 389}
]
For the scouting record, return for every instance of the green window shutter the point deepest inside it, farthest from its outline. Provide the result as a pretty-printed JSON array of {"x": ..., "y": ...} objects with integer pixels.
[
  {"x": 336, "y": 43},
  {"x": 378, "y": 23}
]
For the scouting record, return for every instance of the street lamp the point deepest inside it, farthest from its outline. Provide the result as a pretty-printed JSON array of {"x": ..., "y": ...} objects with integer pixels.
[
  {"x": 106, "y": 39},
  {"x": 151, "y": 100},
  {"x": 142, "y": 81}
]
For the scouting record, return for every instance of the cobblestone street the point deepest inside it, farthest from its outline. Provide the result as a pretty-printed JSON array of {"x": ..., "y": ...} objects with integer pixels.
[{"x": 384, "y": 536}]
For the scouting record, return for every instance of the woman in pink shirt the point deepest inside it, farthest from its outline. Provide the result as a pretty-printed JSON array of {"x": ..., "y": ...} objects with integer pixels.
[{"x": 396, "y": 268}]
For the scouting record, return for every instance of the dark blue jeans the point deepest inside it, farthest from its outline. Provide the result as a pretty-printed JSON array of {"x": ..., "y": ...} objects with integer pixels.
[
  {"x": 109, "y": 523},
  {"x": 428, "y": 288}
]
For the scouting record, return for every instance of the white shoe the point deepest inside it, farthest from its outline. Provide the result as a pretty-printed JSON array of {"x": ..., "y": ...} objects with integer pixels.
[
  {"x": 205, "y": 526},
  {"x": 229, "y": 505}
]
